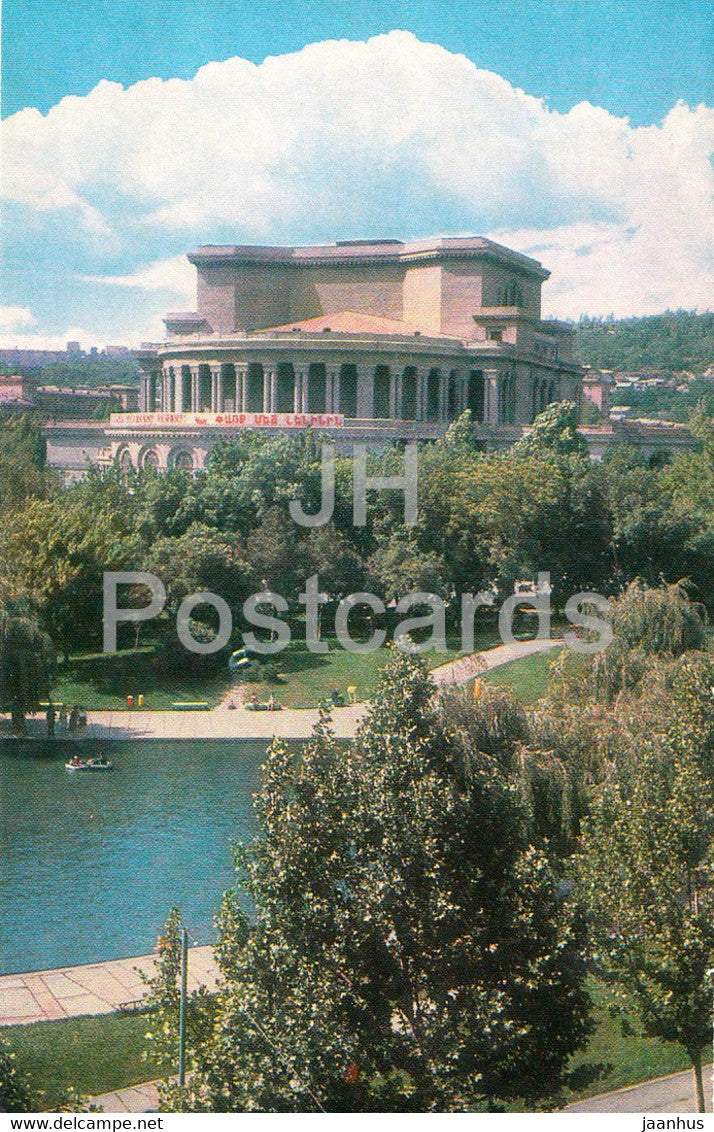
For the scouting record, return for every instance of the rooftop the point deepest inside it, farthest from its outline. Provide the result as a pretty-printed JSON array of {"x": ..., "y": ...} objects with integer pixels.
[{"x": 373, "y": 251}]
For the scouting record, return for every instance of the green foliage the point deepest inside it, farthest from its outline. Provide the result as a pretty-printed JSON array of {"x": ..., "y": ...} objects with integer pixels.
[
  {"x": 647, "y": 874},
  {"x": 15, "y": 1095},
  {"x": 411, "y": 949},
  {"x": 26, "y": 664},
  {"x": 23, "y": 474},
  {"x": 675, "y": 340},
  {"x": 554, "y": 430},
  {"x": 162, "y": 1002},
  {"x": 648, "y": 623}
]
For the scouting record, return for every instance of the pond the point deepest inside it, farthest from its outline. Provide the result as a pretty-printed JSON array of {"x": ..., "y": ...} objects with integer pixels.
[{"x": 90, "y": 864}]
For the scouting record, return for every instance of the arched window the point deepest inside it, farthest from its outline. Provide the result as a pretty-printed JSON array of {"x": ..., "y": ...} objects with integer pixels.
[
  {"x": 183, "y": 461},
  {"x": 126, "y": 464},
  {"x": 150, "y": 459},
  {"x": 476, "y": 394},
  {"x": 254, "y": 388}
]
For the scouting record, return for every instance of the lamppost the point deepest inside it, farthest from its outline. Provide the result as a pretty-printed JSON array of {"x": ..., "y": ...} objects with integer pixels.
[{"x": 182, "y": 1008}]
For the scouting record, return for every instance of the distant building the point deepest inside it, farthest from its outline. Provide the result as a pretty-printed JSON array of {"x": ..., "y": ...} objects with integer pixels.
[
  {"x": 66, "y": 403},
  {"x": 16, "y": 391},
  {"x": 597, "y": 388}
]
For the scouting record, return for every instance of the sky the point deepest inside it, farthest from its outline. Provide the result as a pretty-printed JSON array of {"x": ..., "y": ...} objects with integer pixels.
[{"x": 577, "y": 131}]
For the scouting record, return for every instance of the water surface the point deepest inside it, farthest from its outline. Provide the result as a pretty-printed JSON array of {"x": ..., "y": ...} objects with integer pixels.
[{"x": 90, "y": 864}]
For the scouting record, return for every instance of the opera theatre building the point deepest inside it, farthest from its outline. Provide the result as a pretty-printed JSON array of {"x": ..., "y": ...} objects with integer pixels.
[{"x": 362, "y": 340}]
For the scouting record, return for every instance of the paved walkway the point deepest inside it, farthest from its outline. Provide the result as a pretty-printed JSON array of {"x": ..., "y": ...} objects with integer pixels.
[
  {"x": 95, "y": 988},
  {"x": 290, "y": 723},
  {"x": 674, "y": 1093}
]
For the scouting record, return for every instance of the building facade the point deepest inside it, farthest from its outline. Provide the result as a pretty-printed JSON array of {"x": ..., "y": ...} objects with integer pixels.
[{"x": 369, "y": 340}]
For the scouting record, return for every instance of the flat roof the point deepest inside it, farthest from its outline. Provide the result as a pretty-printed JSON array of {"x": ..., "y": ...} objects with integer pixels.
[{"x": 346, "y": 252}]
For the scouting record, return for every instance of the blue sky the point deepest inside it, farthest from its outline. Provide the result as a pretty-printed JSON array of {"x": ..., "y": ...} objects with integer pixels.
[
  {"x": 432, "y": 117},
  {"x": 634, "y": 57}
]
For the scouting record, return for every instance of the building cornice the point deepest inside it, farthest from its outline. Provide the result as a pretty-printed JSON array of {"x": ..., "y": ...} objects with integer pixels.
[{"x": 364, "y": 253}]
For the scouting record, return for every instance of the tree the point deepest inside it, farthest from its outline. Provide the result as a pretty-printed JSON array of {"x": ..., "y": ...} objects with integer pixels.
[
  {"x": 411, "y": 950},
  {"x": 26, "y": 666},
  {"x": 647, "y": 875},
  {"x": 23, "y": 474},
  {"x": 55, "y": 553},
  {"x": 554, "y": 430},
  {"x": 14, "y": 1088}
]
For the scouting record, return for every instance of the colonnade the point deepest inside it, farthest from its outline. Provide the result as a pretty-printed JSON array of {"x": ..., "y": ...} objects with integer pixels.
[{"x": 368, "y": 392}]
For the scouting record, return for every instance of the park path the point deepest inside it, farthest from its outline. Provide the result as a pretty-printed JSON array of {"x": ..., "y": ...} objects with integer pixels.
[
  {"x": 290, "y": 723},
  {"x": 674, "y": 1093},
  {"x": 93, "y": 988}
]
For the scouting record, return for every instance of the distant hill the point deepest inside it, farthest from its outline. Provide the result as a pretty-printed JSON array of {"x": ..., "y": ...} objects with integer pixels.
[{"x": 669, "y": 342}]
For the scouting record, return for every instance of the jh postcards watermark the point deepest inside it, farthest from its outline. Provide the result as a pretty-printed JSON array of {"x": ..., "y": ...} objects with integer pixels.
[{"x": 586, "y": 611}]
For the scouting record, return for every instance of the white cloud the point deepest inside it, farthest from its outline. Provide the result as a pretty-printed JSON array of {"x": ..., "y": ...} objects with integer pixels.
[
  {"x": 175, "y": 274},
  {"x": 15, "y": 318},
  {"x": 17, "y": 335},
  {"x": 389, "y": 137}
]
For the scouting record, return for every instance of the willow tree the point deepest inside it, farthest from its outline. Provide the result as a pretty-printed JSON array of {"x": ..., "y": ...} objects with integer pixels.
[
  {"x": 410, "y": 950},
  {"x": 26, "y": 666}
]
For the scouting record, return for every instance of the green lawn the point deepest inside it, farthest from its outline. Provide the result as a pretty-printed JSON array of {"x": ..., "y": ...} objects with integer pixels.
[
  {"x": 91, "y": 1054},
  {"x": 528, "y": 677},
  {"x": 617, "y": 1056},
  {"x": 102, "y": 682},
  {"x": 100, "y": 1054}
]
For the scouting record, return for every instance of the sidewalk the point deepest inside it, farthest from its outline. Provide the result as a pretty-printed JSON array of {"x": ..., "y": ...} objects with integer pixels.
[
  {"x": 290, "y": 723},
  {"x": 674, "y": 1093},
  {"x": 95, "y": 988}
]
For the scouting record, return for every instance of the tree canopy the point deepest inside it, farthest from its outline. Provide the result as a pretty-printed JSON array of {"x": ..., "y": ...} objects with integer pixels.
[{"x": 411, "y": 948}]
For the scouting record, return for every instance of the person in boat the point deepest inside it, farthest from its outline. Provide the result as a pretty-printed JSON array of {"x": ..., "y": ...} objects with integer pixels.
[{"x": 76, "y": 761}]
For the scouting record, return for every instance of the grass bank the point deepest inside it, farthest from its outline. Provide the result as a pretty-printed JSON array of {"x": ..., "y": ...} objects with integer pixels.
[
  {"x": 527, "y": 677},
  {"x": 101, "y": 682},
  {"x": 100, "y": 1054}
]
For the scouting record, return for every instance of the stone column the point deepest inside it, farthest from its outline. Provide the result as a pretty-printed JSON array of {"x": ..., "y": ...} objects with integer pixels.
[
  {"x": 216, "y": 389},
  {"x": 331, "y": 398},
  {"x": 179, "y": 387},
  {"x": 365, "y": 391},
  {"x": 443, "y": 395},
  {"x": 241, "y": 378},
  {"x": 194, "y": 388},
  {"x": 490, "y": 378},
  {"x": 273, "y": 390},
  {"x": 301, "y": 379},
  {"x": 421, "y": 392},
  {"x": 297, "y": 390}
]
